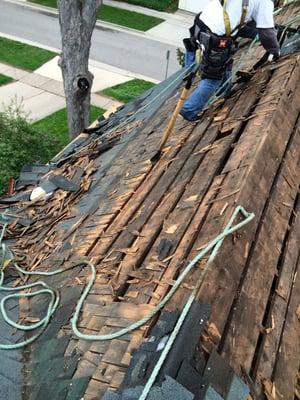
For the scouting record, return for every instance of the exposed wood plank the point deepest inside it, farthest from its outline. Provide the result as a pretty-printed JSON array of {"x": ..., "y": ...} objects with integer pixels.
[
  {"x": 222, "y": 281},
  {"x": 117, "y": 379},
  {"x": 135, "y": 203},
  {"x": 115, "y": 352},
  {"x": 157, "y": 200},
  {"x": 96, "y": 389},
  {"x": 141, "y": 224},
  {"x": 154, "y": 225},
  {"x": 249, "y": 144},
  {"x": 210, "y": 228},
  {"x": 287, "y": 363},
  {"x": 268, "y": 350},
  {"x": 246, "y": 319},
  {"x": 108, "y": 177},
  {"x": 119, "y": 310},
  {"x": 194, "y": 193}
]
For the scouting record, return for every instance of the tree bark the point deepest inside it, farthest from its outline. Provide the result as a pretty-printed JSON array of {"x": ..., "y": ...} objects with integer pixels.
[{"x": 77, "y": 19}]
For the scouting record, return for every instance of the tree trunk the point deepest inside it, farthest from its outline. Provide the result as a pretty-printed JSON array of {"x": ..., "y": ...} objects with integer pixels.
[{"x": 77, "y": 19}]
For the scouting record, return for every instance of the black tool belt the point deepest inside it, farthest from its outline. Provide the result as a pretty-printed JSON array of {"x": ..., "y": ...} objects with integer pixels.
[{"x": 217, "y": 55}]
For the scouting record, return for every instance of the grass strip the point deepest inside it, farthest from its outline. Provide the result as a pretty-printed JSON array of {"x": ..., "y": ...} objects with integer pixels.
[
  {"x": 4, "y": 80},
  {"x": 23, "y": 55},
  {"x": 128, "y": 91},
  {"x": 56, "y": 125},
  {"x": 129, "y": 19}
]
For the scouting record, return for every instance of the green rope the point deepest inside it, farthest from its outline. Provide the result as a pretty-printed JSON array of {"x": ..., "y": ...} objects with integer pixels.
[
  {"x": 55, "y": 298},
  {"x": 215, "y": 245},
  {"x": 177, "y": 284},
  {"x": 54, "y": 294}
]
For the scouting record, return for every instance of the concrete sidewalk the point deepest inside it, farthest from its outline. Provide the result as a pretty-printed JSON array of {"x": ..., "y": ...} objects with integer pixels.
[{"x": 41, "y": 92}]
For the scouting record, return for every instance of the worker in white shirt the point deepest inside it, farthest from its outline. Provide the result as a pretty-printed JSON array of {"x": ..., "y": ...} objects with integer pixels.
[{"x": 214, "y": 31}]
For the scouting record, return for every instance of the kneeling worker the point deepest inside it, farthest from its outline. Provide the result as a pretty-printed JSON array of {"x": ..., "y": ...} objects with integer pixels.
[{"x": 215, "y": 30}]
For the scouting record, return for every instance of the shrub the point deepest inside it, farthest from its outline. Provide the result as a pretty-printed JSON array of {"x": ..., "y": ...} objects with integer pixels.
[{"x": 21, "y": 143}]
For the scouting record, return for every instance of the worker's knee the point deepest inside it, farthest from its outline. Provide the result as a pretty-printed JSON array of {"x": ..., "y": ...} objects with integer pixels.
[{"x": 199, "y": 98}]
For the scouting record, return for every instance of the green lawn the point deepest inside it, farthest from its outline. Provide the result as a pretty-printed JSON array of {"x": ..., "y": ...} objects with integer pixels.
[
  {"x": 160, "y": 5},
  {"x": 130, "y": 19},
  {"x": 23, "y": 55},
  {"x": 56, "y": 125},
  {"x": 117, "y": 16},
  {"x": 4, "y": 80},
  {"x": 128, "y": 91}
]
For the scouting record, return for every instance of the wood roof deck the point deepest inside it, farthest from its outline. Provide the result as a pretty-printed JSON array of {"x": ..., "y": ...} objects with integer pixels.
[{"x": 141, "y": 223}]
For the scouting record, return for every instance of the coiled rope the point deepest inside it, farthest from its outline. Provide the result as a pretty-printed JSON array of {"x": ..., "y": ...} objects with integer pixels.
[{"x": 18, "y": 292}]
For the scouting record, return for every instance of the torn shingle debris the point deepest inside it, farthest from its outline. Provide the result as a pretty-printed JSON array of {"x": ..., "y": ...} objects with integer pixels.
[
  {"x": 31, "y": 174},
  {"x": 141, "y": 224}
]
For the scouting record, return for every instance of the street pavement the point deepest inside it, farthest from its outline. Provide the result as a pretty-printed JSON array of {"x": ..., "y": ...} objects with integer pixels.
[{"x": 130, "y": 51}]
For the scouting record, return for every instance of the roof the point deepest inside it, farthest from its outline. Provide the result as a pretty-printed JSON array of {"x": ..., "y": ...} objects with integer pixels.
[{"x": 140, "y": 223}]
